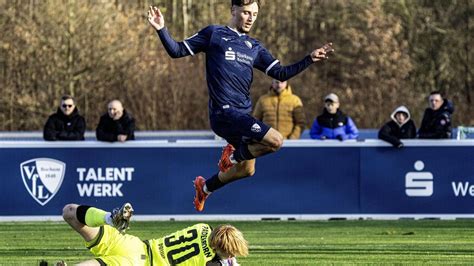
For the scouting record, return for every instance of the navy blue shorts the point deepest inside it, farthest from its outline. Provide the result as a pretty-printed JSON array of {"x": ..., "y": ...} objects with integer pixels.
[{"x": 236, "y": 127}]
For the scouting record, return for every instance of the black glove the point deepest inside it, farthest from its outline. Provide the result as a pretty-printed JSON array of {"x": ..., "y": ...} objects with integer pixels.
[{"x": 339, "y": 137}]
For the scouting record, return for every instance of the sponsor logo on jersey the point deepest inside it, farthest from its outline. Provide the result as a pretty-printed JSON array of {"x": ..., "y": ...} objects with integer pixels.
[
  {"x": 42, "y": 178},
  {"x": 229, "y": 55}
]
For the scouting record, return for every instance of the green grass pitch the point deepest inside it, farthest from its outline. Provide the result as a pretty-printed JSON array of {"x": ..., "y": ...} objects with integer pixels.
[{"x": 362, "y": 242}]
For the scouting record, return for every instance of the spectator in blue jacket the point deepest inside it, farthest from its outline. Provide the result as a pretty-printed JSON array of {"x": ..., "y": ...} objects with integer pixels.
[{"x": 333, "y": 123}]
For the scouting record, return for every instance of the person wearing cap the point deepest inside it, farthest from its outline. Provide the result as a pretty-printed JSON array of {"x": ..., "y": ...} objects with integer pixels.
[
  {"x": 401, "y": 126},
  {"x": 66, "y": 123},
  {"x": 333, "y": 123},
  {"x": 282, "y": 110},
  {"x": 436, "y": 122}
]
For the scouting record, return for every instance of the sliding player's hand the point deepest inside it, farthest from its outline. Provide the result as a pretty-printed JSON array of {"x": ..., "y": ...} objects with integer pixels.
[
  {"x": 155, "y": 18},
  {"x": 322, "y": 53}
]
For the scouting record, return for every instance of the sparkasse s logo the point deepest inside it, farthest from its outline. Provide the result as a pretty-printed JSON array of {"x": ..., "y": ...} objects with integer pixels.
[
  {"x": 419, "y": 184},
  {"x": 42, "y": 178},
  {"x": 230, "y": 55}
]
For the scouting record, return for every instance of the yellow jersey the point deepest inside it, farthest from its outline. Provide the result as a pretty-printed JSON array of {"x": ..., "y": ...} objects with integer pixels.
[{"x": 187, "y": 247}]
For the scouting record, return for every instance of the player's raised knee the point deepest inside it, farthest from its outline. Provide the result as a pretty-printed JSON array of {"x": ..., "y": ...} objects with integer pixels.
[
  {"x": 277, "y": 141},
  {"x": 273, "y": 140},
  {"x": 69, "y": 211}
]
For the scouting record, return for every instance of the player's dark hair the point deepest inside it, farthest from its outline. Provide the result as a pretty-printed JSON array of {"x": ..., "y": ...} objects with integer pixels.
[{"x": 245, "y": 2}]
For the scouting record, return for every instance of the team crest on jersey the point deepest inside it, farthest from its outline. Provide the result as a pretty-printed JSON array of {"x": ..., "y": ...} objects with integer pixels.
[
  {"x": 249, "y": 44},
  {"x": 42, "y": 178},
  {"x": 256, "y": 128}
]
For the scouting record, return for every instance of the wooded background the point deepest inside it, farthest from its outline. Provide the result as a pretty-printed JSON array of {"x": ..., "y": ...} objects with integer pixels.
[{"x": 388, "y": 53}]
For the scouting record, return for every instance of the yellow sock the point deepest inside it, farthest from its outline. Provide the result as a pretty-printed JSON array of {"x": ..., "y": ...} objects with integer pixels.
[{"x": 95, "y": 217}]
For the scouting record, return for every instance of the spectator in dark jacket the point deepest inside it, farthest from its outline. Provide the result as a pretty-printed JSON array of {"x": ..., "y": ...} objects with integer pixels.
[
  {"x": 333, "y": 123},
  {"x": 400, "y": 127},
  {"x": 116, "y": 124},
  {"x": 66, "y": 123},
  {"x": 436, "y": 123}
]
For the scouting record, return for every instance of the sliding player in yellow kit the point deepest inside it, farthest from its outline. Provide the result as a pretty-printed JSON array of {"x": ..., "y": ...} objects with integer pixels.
[{"x": 199, "y": 244}]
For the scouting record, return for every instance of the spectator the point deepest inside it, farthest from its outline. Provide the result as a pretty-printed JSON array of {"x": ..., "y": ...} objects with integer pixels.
[
  {"x": 116, "y": 124},
  {"x": 333, "y": 123},
  {"x": 282, "y": 110},
  {"x": 400, "y": 127},
  {"x": 66, "y": 123},
  {"x": 436, "y": 123}
]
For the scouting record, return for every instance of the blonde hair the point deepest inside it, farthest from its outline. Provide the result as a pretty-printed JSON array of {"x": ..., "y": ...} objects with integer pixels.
[{"x": 228, "y": 241}]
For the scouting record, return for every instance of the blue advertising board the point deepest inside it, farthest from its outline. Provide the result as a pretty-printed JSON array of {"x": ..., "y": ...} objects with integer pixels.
[
  {"x": 303, "y": 178},
  {"x": 417, "y": 180}
]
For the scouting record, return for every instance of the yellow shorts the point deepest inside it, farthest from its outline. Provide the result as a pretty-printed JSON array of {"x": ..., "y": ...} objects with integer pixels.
[{"x": 112, "y": 248}]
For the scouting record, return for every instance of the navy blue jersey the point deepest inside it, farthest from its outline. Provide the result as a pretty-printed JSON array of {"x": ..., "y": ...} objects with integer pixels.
[{"x": 230, "y": 59}]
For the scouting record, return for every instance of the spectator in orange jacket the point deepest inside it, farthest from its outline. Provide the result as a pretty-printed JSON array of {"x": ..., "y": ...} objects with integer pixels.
[{"x": 282, "y": 110}]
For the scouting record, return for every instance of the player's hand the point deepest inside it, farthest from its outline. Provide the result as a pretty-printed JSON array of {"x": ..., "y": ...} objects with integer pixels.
[
  {"x": 322, "y": 53},
  {"x": 155, "y": 18}
]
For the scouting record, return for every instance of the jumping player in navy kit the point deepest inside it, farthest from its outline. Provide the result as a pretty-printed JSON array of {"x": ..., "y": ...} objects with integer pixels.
[{"x": 231, "y": 56}]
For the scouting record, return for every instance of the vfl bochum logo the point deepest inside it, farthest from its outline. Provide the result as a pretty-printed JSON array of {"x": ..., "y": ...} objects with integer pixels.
[
  {"x": 419, "y": 184},
  {"x": 249, "y": 44},
  {"x": 42, "y": 178}
]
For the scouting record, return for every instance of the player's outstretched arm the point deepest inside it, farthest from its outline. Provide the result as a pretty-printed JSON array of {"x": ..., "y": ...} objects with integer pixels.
[
  {"x": 155, "y": 18},
  {"x": 157, "y": 21},
  {"x": 322, "y": 53},
  {"x": 283, "y": 73}
]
